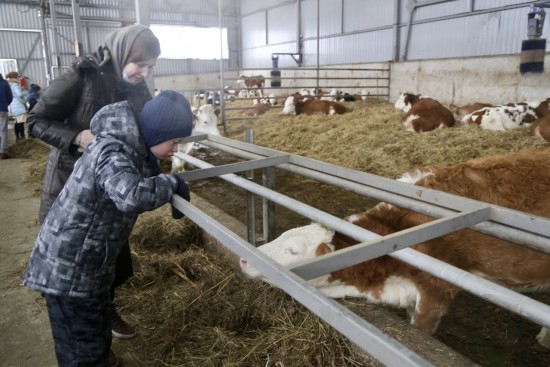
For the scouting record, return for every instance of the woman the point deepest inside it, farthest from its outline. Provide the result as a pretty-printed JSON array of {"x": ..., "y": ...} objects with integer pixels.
[
  {"x": 5, "y": 100},
  {"x": 17, "y": 106},
  {"x": 61, "y": 118}
]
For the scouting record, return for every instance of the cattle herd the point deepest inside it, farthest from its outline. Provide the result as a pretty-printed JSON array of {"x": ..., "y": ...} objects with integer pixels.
[{"x": 423, "y": 113}]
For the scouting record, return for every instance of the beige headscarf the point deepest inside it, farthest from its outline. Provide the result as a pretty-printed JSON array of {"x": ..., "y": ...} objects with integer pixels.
[{"x": 132, "y": 43}]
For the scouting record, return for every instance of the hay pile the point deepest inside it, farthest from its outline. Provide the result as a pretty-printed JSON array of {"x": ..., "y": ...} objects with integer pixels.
[
  {"x": 37, "y": 151},
  {"x": 371, "y": 138}
]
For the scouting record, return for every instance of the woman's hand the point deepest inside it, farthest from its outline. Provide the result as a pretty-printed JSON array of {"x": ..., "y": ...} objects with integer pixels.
[{"x": 83, "y": 139}]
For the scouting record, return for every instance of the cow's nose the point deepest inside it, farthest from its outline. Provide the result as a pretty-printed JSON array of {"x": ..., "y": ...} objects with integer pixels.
[{"x": 242, "y": 262}]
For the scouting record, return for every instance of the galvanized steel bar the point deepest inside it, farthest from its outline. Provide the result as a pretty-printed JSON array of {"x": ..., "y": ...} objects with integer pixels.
[
  {"x": 499, "y": 295},
  {"x": 231, "y": 168},
  {"x": 387, "y": 244},
  {"x": 422, "y": 200},
  {"x": 381, "y": 346}
]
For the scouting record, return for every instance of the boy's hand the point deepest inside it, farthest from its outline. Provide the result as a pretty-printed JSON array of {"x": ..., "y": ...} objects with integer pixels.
[{"x": 183, "y": 191}]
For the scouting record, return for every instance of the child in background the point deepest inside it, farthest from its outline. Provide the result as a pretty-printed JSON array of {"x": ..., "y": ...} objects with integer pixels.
[
  {"x": 32, "y": 98},
  {"x": 17, "y": 106},
  {"x": 117, "y": 178}
]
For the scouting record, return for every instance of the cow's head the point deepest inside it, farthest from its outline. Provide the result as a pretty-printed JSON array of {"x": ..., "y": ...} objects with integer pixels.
[
  {"x": 294, "y": 246},
  {"x": 207, "y": 120},
  {"x": 406, "y": 100},
  {"x": 289, "y": 108}
]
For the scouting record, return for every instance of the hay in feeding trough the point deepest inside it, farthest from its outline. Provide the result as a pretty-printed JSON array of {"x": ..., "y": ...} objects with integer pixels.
[{"x": 194, "y": 310}]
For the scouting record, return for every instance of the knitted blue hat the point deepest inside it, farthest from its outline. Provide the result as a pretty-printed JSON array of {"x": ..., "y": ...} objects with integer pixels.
[{"x": 166, "y": 116}]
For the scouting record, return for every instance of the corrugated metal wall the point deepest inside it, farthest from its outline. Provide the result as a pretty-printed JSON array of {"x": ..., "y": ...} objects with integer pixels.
[
  {"x": 350, "y": 31},
  {"x": 363, "y": 31},
  {"x": 20, "y": 32}
]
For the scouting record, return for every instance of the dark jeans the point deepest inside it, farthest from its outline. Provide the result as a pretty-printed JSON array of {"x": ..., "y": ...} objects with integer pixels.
[
  {"x": 81, "y": 329},
  {"x": 19, "y": 129}
]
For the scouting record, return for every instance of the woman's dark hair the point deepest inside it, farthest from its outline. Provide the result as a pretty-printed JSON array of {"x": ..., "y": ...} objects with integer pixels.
[{"x": 145, "y": 47}]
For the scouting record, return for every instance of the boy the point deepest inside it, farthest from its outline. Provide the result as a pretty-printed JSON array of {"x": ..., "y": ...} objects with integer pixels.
[{"x": 116, "y": 179}]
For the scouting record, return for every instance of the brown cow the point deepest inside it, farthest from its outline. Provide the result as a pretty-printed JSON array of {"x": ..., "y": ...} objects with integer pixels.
[
  {"x": 248, "y": 82},
  {"x": 518, "y": 181},
  {"x": 541, "y": 128},
  {"x": 423, "y": 113},
  {"x": 312, "y": 106},
  {"x": 258, "y": 108},
  {"x": 460, "y": 111}
]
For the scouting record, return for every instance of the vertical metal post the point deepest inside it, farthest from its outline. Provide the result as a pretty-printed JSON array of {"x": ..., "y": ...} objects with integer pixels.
[
  {"x": 56, "y": 64},
  {"x": 143, "y": 17},
  {"x": 318, "y": 32},
  {"x": 45, "y": 44},
  {"x": 250, "y": 210},
  {"x": 77, "y": 28},
  {"x": 396, "y": 31},
  {"x": 222, "y": 86},
  {"x": 268, "y": 207}
]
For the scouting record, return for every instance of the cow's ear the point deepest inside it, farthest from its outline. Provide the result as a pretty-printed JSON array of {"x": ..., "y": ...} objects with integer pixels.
[{"x": 323, "y": 249}]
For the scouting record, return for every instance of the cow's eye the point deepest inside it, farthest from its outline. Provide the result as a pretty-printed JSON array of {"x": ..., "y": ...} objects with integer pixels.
[{"x": 291, "y": 251}]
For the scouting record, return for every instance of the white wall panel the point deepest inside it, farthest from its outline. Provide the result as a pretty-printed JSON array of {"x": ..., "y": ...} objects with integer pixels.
[
  {"x": 309, "y": 19},
  {"x": 330, "y": 17},
  {"x": 490, "y": 4},
  {"x": 254, "y": 30},
  {"x": 355, "y": 48},
  {"x": 365, "y": 14},
  {"x": 250, "y": 6},
  {"x": 282, "y": 23}
]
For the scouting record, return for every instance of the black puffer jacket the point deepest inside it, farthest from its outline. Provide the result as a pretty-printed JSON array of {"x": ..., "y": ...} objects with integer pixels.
[{"x": 67, "y": 107}]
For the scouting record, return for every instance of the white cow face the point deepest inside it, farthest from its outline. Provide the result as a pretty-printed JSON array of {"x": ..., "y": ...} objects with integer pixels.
[
  {"x": 289, "y": 108},
  {"x": 292, "y": 247},
  {"x": 207, "y": 120},
  {"x": 401, "y": 105}
]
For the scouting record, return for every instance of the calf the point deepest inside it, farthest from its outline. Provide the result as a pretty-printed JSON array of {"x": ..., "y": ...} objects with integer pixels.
[
  {"x": 543, "y": 109},
  {"x": 258, "y": 108},
  {"x": 518, "y": 181},
  {"x": 205, "y": 120},
  {"x": 460, "y": 111},
  {"x": 248, "y": 82},
  {"x": 406, "y": 100},
  {"x": 541, "y": 128},
  {"x": 505, "y": 117},
  {"x": 427, "y": 114},
  {"x": 312, "y": 106}
]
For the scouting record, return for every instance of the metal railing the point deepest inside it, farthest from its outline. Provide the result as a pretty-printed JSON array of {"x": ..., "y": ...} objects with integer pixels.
[
  {"x": 351, "y": 80},
  {"x": 452, "y": 212}
]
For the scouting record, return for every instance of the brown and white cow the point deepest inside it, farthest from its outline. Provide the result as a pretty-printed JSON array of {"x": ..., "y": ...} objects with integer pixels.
[
  {"x": 460, "y": 111},
  {"x": 312, "y": 106},
  {"x": 519, "y": 181},
  {"x": 541, "y": 128},
  {"x": 423, "y": 113},
  {"x": 249, "y": 82},
  {"x": 258, "y": 108},
  {"x": 506, "y": 117}
]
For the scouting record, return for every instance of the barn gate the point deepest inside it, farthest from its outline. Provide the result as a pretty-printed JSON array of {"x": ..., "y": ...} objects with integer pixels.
[
  {"x": 353, "y": 80},
  {"x": 453, "y": 213}
]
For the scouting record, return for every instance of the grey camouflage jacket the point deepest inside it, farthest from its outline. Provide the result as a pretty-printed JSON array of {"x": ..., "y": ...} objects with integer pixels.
[{"x": 77, "y": 246}]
